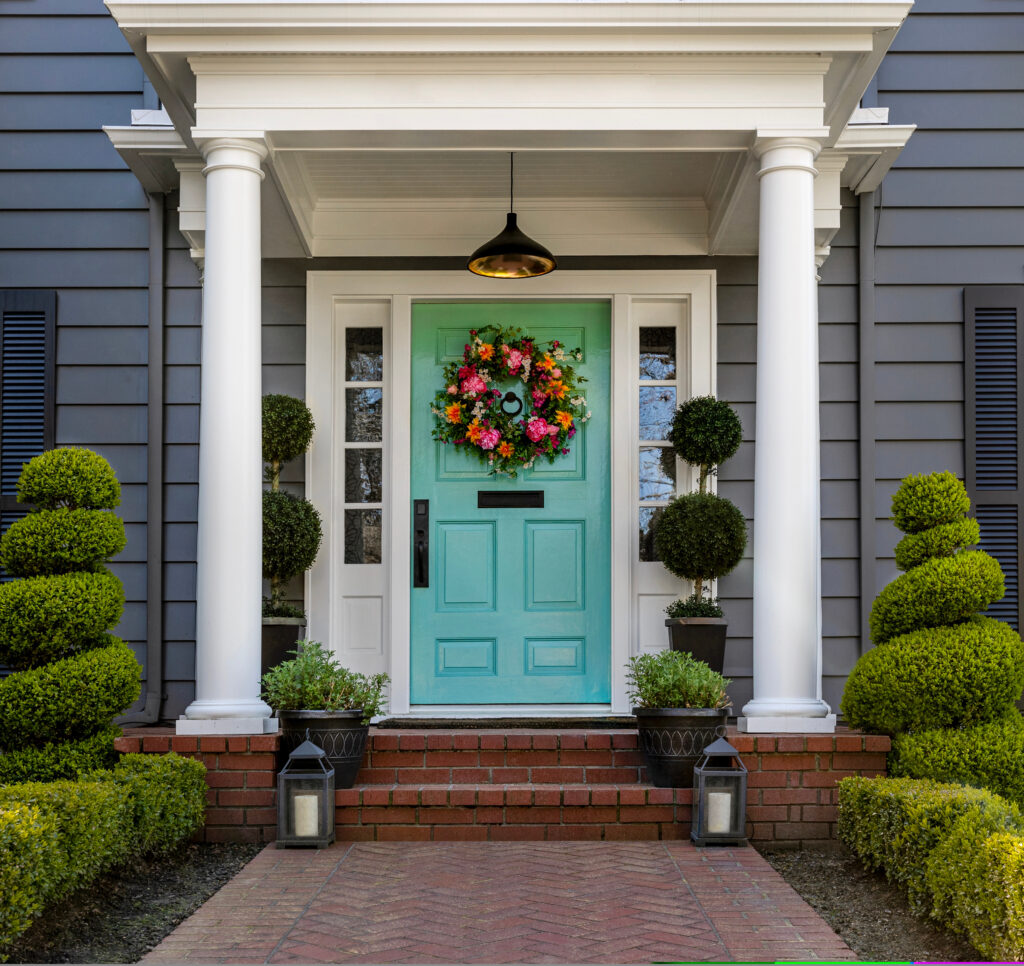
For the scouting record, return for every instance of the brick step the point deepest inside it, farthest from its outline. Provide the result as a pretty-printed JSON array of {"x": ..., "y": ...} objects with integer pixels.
[
  {"x": 464, "y": 757},
  {"x": 513, "y": 812}
]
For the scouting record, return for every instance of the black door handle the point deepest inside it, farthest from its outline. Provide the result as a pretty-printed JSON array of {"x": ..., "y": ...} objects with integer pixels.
[{"x": 421, "y": 543}]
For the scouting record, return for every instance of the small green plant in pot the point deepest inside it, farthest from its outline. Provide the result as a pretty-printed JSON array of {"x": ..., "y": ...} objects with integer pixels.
[
  {"x": 701, "y": 536},
  {"x": 315, "y": 696},
  {"x": 681, "y": 706},
  {"x": 291, "y": 525}
]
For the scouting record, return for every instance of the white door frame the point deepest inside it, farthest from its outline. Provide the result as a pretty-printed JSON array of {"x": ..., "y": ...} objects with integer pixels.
[{"x": 628, "y": 294}]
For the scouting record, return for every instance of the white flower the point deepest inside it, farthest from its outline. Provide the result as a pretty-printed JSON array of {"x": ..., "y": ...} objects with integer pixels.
[
  {"x": 579, "y": 356},
  {"x": 559, "y": 353}
]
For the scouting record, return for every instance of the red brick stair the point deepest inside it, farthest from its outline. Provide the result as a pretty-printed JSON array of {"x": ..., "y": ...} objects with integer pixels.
[{"x": 541, "y": 784}]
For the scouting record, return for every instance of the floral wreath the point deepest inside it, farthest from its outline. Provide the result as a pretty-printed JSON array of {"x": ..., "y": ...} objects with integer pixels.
[{"x": 473, "y": 413}]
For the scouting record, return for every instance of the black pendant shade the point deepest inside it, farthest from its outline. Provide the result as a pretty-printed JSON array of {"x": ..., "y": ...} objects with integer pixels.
[{"x": 511, "y": 254}]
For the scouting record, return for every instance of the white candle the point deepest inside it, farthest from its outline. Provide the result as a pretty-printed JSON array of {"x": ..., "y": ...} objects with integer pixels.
[
  {"x": 719, "y": 812},
  {"x": 306, "y": 809}
]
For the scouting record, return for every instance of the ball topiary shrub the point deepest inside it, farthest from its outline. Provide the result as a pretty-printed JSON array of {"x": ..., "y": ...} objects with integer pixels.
[
  {"x": 937, "y": 677},
  {"x": 291, "y": 525},
  {"x": 929, "y": 500},
  {"x": 701, "y": 536},
  {"x": 72, "y": 678}
]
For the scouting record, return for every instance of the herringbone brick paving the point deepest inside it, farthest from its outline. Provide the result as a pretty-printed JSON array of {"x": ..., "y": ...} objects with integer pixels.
[{"x": 489, "y": 902}]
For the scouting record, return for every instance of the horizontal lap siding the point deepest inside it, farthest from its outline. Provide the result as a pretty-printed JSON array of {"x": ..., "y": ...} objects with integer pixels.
[
  {"x": 74, "y": 219},
  {"x": 948, "y": 215}
]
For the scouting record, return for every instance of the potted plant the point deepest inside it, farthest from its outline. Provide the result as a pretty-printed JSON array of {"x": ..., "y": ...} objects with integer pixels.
[
  {"x": 701, "y": 536},
  {"x": 314, "y": 697},
  {"x": 680, "y": 706},
  {"x": 291, "y": 525}
]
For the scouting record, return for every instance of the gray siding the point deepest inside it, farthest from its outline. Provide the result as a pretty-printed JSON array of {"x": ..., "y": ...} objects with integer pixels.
[{"x": 948, "y": 215}]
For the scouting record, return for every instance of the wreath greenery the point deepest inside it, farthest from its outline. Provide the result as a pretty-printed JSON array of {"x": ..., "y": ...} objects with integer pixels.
[{"x": 471, "y": 408}]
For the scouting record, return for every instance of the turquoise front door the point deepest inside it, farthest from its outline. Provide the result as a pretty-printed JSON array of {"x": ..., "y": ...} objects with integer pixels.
[{"x": 517, "y": 610}]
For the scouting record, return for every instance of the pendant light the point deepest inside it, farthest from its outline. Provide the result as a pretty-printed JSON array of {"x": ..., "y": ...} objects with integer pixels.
[{"x": 511, "y": 254}]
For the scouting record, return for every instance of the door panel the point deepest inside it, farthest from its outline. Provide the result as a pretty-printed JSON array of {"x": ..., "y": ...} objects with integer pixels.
[{"x": 517, "y": 610}]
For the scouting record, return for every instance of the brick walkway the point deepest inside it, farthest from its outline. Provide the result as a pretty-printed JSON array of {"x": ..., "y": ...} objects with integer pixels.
[{"x": 628, "y": 902}]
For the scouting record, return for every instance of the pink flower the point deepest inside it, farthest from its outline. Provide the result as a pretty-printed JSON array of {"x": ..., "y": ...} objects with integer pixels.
[
  {"x": 514, "y": 360},
  {"x": 556, "y": 373},
  {"x": 489, "y": 438},
  {"x": 473, "y": 385},
  {"x": 452, "y": 390},
  {"x": 537, "y": 428},
  {"x": 538, "y": 397},
  {"x": 466, "y": 371}
]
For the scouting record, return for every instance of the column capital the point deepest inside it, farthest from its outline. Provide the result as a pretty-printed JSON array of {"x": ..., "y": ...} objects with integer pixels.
[
  {"x": 243, "y": 152},
  {"x": 786, "y": 153}
]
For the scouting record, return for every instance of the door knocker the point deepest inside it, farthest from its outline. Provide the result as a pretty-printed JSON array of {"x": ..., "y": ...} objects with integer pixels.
[{"x": 506, "y": 403}]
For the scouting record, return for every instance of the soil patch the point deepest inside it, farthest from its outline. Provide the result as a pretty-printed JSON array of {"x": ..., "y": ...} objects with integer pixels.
[
  {"x": 121, "y": 916},
  {"x": 871, "y": 916}
]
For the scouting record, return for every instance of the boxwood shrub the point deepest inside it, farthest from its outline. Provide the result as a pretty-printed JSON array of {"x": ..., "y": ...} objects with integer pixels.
[
  {"x": 945, "y": 540},
  {"x": 929, "y": 500},
  {"x": 944, "y": 590},
  {"x": 69, "y": 477},
  {"x": 989, "y": 755},
  {"x": 61, "y": 541},
  {"x": 56, "y": 760},
  {"x": 45, "y": 619},
  {"x": 65, "y": 699},
  {"x": 937, "y": 677},
  {"x": 28, "y": 847}
]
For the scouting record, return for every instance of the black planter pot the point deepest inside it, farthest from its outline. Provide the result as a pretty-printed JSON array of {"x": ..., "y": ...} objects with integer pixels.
[
  {"x": 279, "y": 637},
  {"x": 673, "y": 739},
  {"x": 340, "y": 733},
  {"x": 703, "y": 637}
]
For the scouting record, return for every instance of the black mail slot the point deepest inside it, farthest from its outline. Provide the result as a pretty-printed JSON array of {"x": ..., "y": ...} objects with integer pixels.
[{"x": 500, "y": 499}]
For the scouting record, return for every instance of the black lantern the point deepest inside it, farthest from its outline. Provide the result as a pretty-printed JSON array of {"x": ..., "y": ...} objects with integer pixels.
[
  {"x": 720, "y": 797},
  {"x": 305, "y": 799},
  {"x": 511, "y": 254}
]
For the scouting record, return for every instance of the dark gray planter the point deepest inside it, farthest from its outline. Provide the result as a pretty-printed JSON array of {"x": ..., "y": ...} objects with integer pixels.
[
  {"x": 703, "y": 637},
  {"x": 279, "y": 637},
  {"x": 673, "y": 739},
  {"x": 340, "y": 733}
]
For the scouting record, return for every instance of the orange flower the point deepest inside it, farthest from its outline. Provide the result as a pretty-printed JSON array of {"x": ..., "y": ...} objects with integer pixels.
[
  {"x": 555, "y": 389},
  {"x": 505, "y": 449},
  {"x": 453, "y": 412},
  {"x": 485, "y": 351},
  {"x": 563, "y": 418},
  {"x": 474, "y": 431},
  {"x": 546, "y": 363}
]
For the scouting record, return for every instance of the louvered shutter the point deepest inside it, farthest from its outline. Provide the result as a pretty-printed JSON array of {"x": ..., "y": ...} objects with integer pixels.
[
  {"x": 993, "y": 374},
  {"x": 27, "y": 364}
]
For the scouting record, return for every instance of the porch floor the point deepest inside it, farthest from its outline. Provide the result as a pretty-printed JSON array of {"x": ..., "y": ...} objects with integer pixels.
[{"x": 498, "y": 902}]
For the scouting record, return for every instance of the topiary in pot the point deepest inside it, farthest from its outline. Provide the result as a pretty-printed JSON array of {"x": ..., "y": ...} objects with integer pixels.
[
  {"x": 291, "y": 524},
  {"x": 942, "y": 679},
  {"x": 701, "y": 536},
  {"x": 71, "y": 678}
]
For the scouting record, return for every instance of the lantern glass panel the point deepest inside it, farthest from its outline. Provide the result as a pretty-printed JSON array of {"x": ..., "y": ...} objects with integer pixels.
[
  {"x": 306, "y": 816},
  {"x": 722, "y": 806}
]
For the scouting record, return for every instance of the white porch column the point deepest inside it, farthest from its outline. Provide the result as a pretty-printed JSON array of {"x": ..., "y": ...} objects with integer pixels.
[
  {"x": 787, "y": 528},
  {"x": 228, "y": 582}
]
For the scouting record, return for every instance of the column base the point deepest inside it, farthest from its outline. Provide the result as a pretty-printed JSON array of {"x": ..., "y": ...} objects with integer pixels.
[
  {"x": 786, "y": 724},
  {"x": 225, "y": 726}
]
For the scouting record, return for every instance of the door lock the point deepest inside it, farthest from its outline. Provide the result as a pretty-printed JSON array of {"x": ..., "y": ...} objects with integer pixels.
[{"x": 421, "y": 543}]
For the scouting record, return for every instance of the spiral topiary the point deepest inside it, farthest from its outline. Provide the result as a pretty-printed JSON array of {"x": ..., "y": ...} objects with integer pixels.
[
  {"x": 71, "y": 677},
  {"x": 940, "y": 676}
]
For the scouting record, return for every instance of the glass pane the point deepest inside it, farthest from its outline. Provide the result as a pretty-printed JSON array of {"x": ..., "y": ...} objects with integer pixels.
[
  {"x": 657, "y": 353},
  {"x": 657, "y": 407},
  {"x": 648, "y": 522},
  {"x": 364, "y": 355},
  {"x": 364, "y": 410},
  {"x": 657, "y": 473},
  {"x": 362, "y": 476},
  {"x": 363, "y": 536}
]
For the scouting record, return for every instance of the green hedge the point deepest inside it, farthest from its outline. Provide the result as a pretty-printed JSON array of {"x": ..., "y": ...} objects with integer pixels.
[
  {"x": 61, "y": 541},
  {"x": 44, "y": 619},
  {"x": 945, "y": 540},
  {"x": 67, "y": 699},
  {"x": 929, "y": 500},
  {"x": 945, "y": 590},
  {"x": 57, "y": 837},
  {"x": 69, "y": 477},
  {"x": 989, "y": 755},
  {"x": 959, "y": 853},
  {"x": 938, "y": 677},
  {"x": 57, "y": 760}
]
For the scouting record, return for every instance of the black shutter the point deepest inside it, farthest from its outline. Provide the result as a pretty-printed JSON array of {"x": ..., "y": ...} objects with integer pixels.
[
  {"x": 993, "y": 374},
  {"x": 27, "y": 377}
]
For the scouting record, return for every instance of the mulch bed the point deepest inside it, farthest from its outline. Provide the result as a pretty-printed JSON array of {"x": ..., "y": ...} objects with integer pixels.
[
  {"x": 120, "y": 917},
  {"x": 871, "y": 916}
]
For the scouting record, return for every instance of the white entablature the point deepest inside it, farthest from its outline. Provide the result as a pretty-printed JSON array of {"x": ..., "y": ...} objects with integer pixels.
[{"x": 387, "y": 125}]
